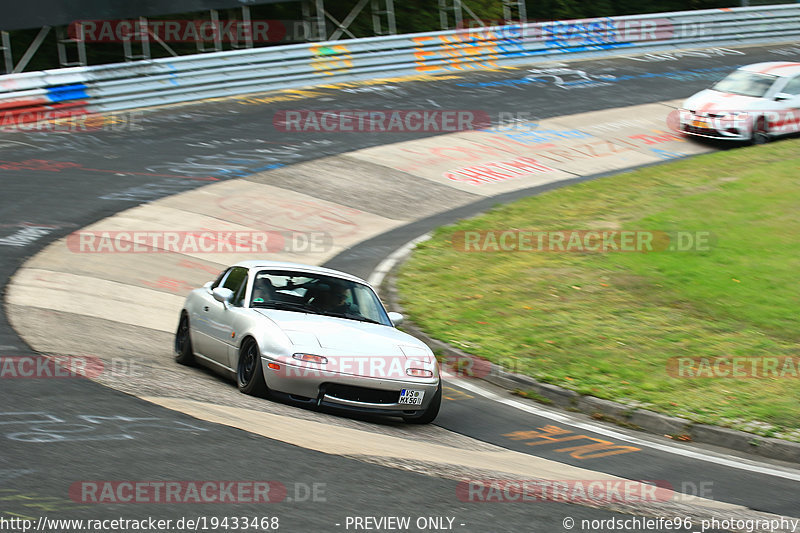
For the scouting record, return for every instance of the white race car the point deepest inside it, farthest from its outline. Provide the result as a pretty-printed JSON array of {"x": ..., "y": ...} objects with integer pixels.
[
  {"x": 312, "y": 335},
  {"x": 753, "y": 103}
]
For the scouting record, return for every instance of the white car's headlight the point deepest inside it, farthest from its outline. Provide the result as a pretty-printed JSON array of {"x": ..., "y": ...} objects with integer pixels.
[
  {"x": 310, "y": 358},
  {"x": 419, "y": 372}
]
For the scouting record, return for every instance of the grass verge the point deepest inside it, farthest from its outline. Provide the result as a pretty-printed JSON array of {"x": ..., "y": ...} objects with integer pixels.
[{"x": 608, "y": 324}]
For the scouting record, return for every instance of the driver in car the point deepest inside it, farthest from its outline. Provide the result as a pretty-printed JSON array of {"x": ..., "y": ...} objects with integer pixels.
[
  {"x": 263, "y": 290},
  {"x": 334, "y": 300}
]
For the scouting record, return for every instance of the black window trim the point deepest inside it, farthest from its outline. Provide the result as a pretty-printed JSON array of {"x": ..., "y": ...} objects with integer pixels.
[
  {"x": 243, "y": 282},
  {"x": 221, "y": 278}
]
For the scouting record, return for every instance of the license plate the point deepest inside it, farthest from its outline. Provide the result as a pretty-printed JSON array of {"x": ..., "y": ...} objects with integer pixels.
[
  {"x": 411, "y": 397},
  {"x": 700, "y": 123}
]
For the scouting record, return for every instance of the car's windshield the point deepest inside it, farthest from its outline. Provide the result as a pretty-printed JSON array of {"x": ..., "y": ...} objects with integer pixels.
[
  {"x": 317, "y": 293},
  {"x": 745, "y": 83}
]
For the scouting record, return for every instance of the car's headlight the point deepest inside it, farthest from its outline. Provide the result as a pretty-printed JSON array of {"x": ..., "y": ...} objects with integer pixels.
[
  {"x": 310, "y": 358},
  {"x": 419, "y": 372}
]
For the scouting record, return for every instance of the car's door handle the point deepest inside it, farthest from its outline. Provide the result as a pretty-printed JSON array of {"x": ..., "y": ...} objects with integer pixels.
[{"x": 205, "y": 308}]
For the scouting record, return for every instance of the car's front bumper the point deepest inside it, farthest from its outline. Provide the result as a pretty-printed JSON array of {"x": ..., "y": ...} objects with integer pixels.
[
  {"x": 715, "y": 127},
  {"x": 712, "y": 133},
  {"x": 347, "y": 391}
]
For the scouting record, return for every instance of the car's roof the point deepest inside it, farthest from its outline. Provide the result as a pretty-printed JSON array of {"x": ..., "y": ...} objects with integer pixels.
[
  {"x": 775, "y": 68},
  {"x": 282, "y": 265}
]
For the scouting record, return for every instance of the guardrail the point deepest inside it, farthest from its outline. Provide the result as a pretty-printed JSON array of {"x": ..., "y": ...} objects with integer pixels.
[{"x": 51, "y": 94}]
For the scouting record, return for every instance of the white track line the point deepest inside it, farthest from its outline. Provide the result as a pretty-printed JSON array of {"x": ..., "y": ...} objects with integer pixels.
[
  {"x": 708, "y": 456},
  {"x": 376, "y": 278},
  {"x": 384, "y": 267}
]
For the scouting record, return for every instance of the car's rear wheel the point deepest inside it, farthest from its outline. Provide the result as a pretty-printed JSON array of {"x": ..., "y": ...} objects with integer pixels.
[
  {"x": 249, "y": 373},
  {"x": 760, "y": 131},
  {"x": 183, "y": 342},
  {"x": 429, "y": 414}
]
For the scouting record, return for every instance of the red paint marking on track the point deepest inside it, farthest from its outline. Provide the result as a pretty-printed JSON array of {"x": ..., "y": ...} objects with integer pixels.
[
  {"x": 24, "y": 102},
  {"x": 31, "y": 112},
  {"x": 58, "y": 166}
]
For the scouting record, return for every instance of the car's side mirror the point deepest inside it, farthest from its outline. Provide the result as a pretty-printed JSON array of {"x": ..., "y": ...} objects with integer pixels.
[
  {"x": 396, "y": 318},
  {"x": 223, "y": 295},
  {"x": 783, "y": 96}
]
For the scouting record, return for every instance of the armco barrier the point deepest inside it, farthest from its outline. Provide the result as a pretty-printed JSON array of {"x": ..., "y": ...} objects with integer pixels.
[{"x": 49, "y": 94}]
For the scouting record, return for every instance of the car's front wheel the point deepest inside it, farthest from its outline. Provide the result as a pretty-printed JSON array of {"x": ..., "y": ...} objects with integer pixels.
[
  {"x": 249, "y": 372},
  {"x": 761, "y": 131},
  {"x": 429, "y": 414},
  {"x": 183, "y": 342}
]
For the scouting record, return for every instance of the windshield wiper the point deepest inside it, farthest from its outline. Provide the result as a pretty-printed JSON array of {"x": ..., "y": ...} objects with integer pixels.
[
  {"x": 285, "y": 306},
  {"x": 351, "y": 316},
  {"x": 291, "y": 306}
]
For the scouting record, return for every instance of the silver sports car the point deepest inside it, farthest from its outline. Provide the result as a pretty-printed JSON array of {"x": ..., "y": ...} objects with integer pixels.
[{"x": 309, "y": 334}]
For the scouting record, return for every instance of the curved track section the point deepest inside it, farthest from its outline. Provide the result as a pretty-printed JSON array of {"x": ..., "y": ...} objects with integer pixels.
[{"x": 364, "y": 195}]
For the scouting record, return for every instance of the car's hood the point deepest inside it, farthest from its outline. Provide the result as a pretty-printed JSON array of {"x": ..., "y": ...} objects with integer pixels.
[
  {"x": 709, "y": 101},
  {"x": 333, "y": 336}
]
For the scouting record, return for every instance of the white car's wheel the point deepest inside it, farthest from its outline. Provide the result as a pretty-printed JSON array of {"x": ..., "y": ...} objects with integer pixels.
[
  {"x": 249, "y": 373},
  {"x": 183, "y": 342},
  {"x": 760, "y": 131}
]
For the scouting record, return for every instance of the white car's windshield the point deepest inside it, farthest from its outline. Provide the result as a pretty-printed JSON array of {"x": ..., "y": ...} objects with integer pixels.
[
  {"x": 745, "y": 83},
  {"x": 317, "y": 293}
]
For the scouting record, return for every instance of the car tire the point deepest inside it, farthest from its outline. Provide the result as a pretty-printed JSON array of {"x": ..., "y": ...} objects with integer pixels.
[
  {"x": 249, "y": 372},
  {"x": 428, "y": 415},
  {"x": 184, "y": 354},
  {"x": 760, "y": 132}
]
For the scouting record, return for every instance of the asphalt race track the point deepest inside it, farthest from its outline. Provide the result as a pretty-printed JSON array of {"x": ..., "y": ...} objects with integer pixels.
[{"x": 59, "y": 434}]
